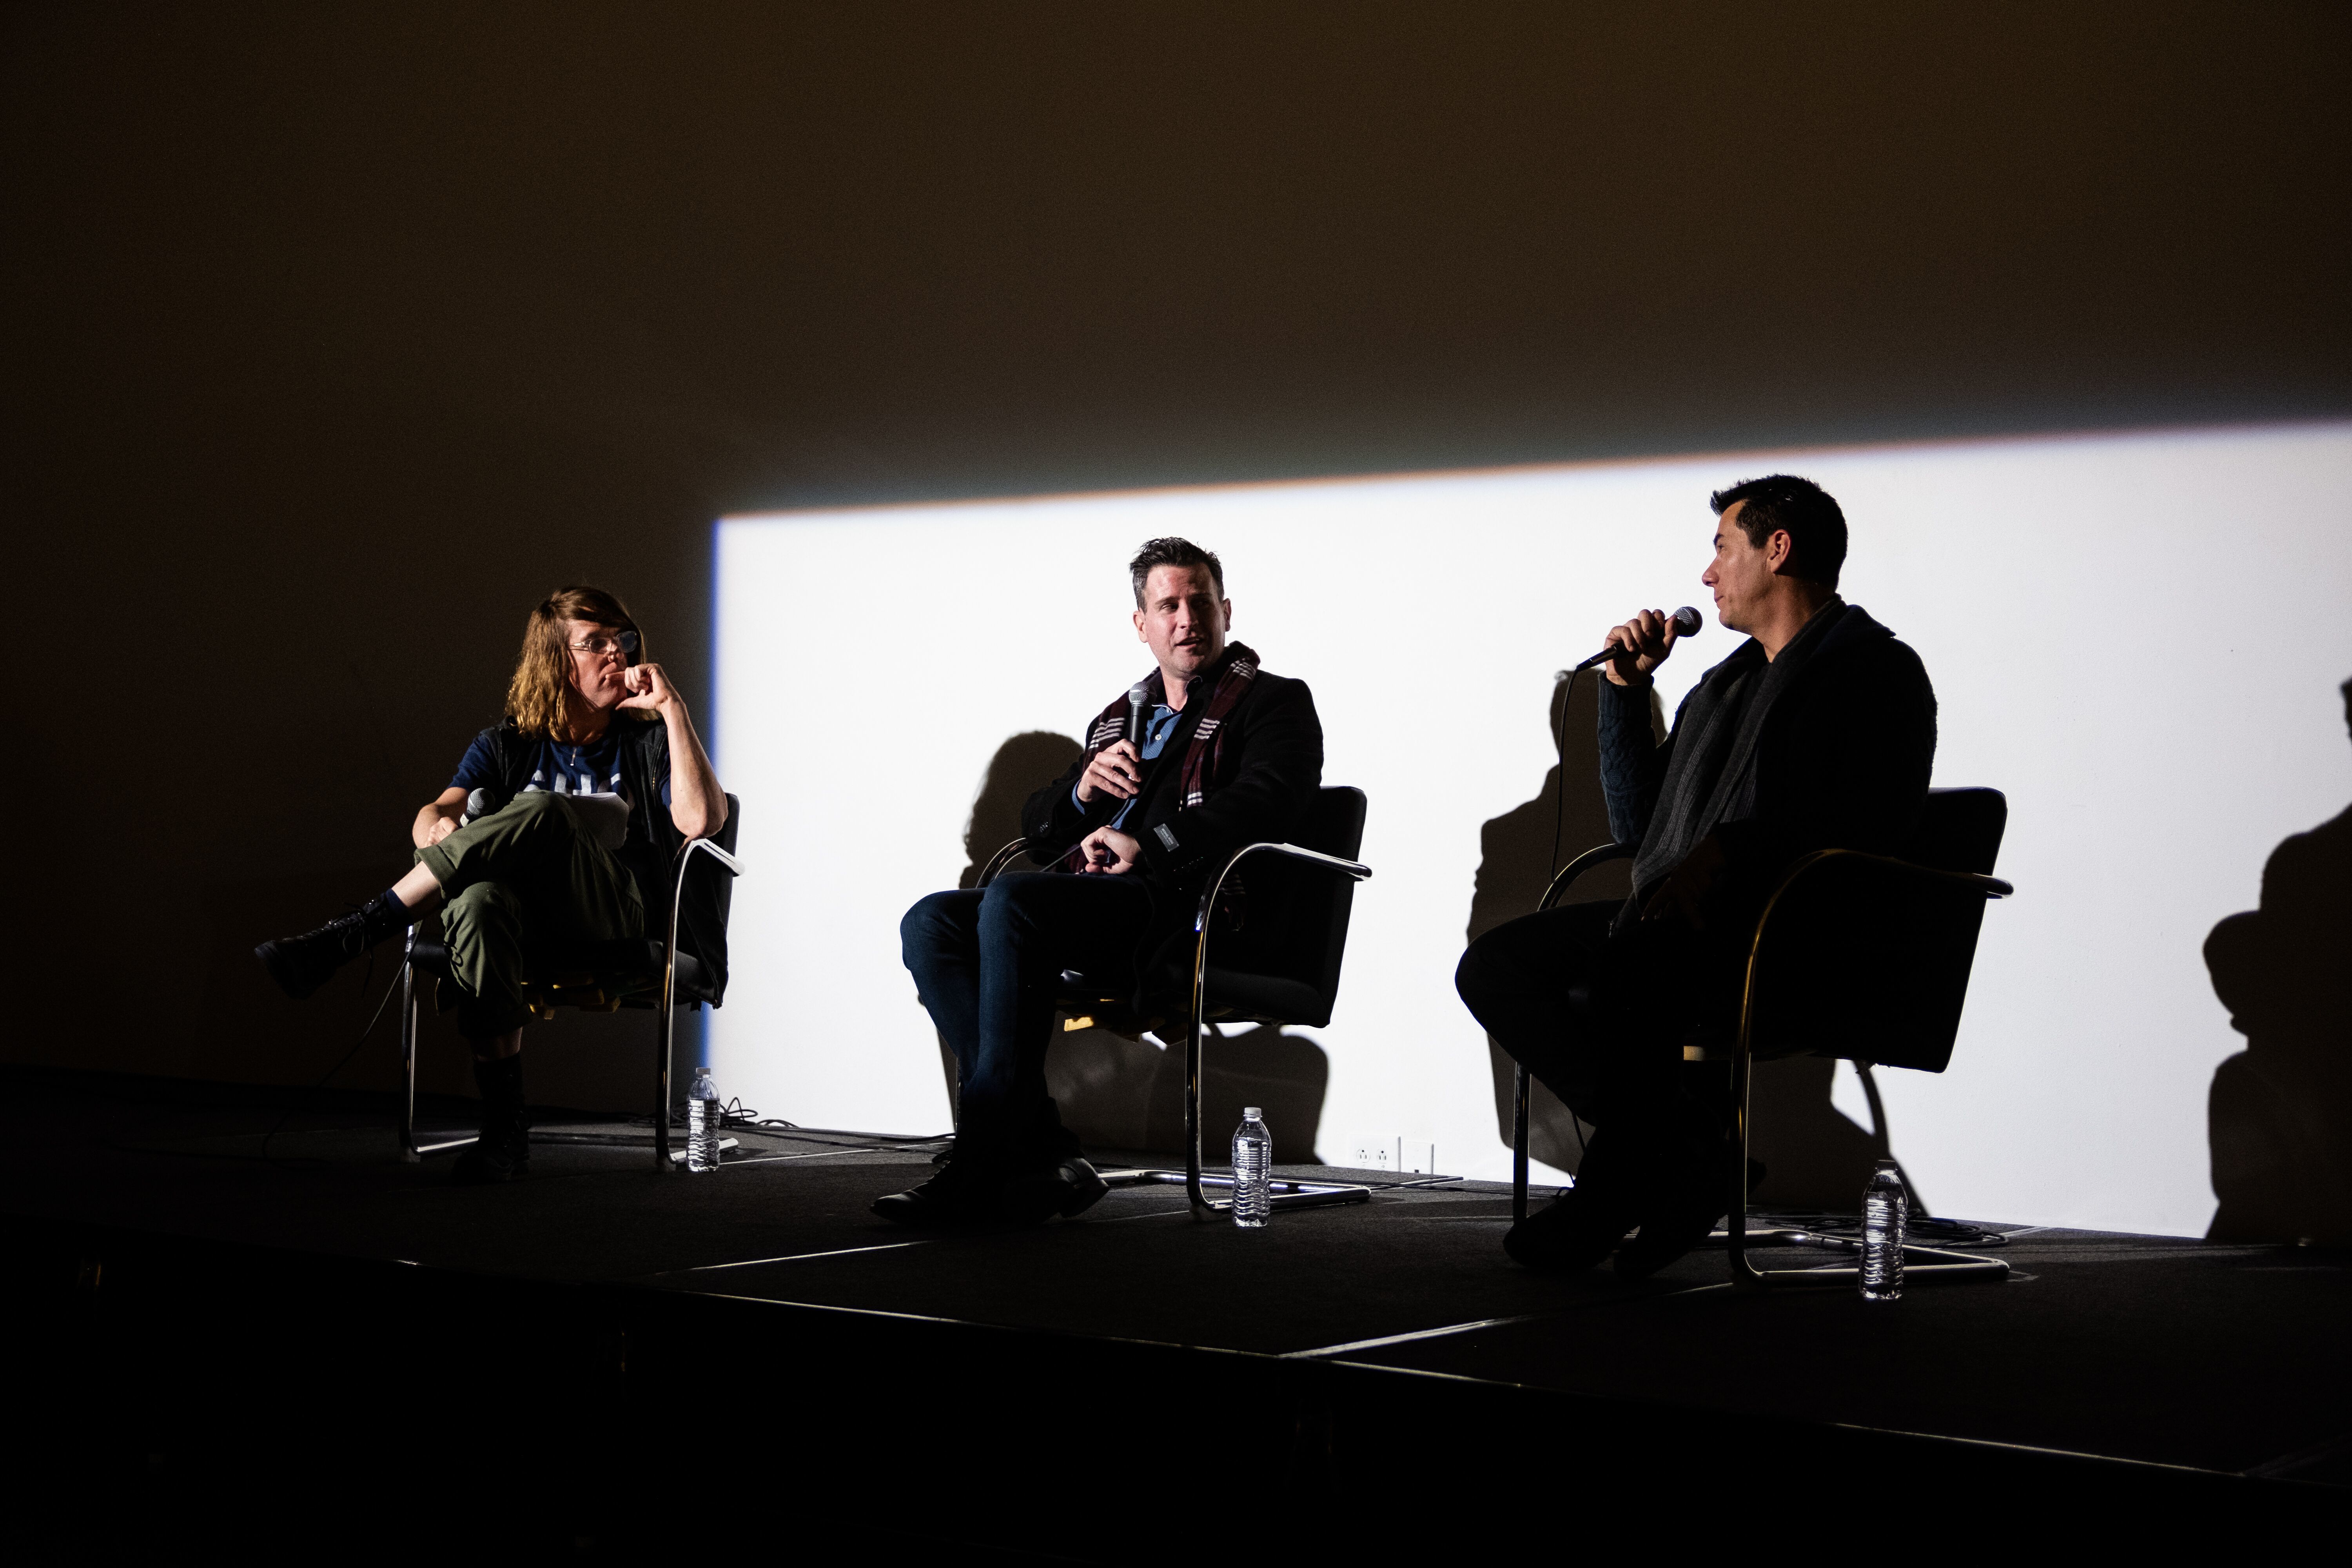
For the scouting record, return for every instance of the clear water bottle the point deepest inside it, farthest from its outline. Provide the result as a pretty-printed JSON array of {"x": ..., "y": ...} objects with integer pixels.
[
  {"x": 702, "y": 1121},
  {"x": 1885, "y": 1213},
  {"x": 1253, "y": 1171}
]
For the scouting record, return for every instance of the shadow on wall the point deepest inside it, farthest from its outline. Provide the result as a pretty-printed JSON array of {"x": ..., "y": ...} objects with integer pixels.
[
  {"x": 1813, "y": 1155},
  {"x": 1129, "y": 1094},
  {"x": 2280, "y": 1116}
]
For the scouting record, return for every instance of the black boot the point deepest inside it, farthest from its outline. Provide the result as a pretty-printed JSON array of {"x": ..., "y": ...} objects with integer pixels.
[
  {"x": 962, "y": 1194},
  {"x": 1584, "y": 1224},
  {"x": 503, "y": 1151},
  {"x": 1691, "y": 1189},
  {"x": 300, "y": 965}
]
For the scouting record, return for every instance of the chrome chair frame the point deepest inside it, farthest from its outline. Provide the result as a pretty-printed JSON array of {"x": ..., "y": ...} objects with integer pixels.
[
  {"x": 665, "y": 1031},
  {"x": 1921, "y": 1265},
  {"x": 1286, "y": 1194}
]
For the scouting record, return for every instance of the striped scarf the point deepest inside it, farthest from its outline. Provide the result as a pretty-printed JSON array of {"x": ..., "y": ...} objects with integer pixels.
[{"x": 1204, "y": 754}]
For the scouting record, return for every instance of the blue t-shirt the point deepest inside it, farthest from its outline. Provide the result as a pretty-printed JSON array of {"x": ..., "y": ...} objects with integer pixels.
[{"x": 558, "y": 768}]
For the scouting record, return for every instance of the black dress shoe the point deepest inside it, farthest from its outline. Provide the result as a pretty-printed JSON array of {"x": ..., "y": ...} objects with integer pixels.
[
  {"x": 488, "y": 1165},
  {"x": 1683, "y": 1216},
  {"x": 959, "y": 1195},
  {"x": 1575, "y": 1232},
  {"x": 1069, "y": 1187}
]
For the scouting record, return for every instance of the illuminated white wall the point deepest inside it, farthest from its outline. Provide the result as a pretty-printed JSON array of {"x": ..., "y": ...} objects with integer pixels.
[{"x": 2139, "y": 638}]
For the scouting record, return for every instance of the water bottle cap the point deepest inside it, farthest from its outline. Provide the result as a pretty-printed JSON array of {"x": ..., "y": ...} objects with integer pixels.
[{"x": 1250, "y": 1112}]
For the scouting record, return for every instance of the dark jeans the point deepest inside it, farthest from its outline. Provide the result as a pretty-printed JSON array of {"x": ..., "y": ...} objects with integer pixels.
[
  {"x": 1598, "y": 1018},
  {"x": 986, "y": 962}
]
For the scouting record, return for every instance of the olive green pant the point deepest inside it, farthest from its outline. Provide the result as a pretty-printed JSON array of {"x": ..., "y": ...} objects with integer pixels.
[{"x": 524, "y": 888}]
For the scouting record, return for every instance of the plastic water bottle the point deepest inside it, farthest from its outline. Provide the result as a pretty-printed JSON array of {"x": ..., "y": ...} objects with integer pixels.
[
  {"x": 1885, "y": 1213},
  {"x": 702, "y": 1124},
  {"x": 1253, "y": 1171}
]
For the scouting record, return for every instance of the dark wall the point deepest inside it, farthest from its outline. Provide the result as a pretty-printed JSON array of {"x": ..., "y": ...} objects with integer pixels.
[{"x": 338, "y": 334}]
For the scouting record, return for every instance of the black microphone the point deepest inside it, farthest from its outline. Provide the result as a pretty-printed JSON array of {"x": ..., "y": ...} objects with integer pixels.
[
  {"x": 1687, "y": 622},
  {"x": 1137, "y": 696}
]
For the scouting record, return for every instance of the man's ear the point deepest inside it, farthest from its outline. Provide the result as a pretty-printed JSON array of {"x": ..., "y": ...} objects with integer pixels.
[
  {"x": 1138, "y": 627},
  {"x": 1777, "y": 551}
]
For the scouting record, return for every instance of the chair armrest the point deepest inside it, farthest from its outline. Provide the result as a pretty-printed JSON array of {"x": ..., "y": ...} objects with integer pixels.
[
  {"x": 1580, "y": 865},
  {"x": 734, "y": 867},
  {"x": 1292, "y": 851},
  {"x": 997, "y": 862}
]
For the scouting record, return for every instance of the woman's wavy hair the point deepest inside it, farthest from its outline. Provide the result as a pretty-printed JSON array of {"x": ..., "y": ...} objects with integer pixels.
[{"x": 539, "y": 698}]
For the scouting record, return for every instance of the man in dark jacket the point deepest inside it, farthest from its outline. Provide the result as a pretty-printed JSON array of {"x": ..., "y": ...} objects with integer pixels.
[
  {"x": 1228, "y": 754},
  {"x": 1817, "y": 732}
]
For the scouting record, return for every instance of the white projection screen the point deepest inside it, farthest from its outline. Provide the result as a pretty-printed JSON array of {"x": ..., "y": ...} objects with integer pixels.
[{"x": 2139, "y": 638}]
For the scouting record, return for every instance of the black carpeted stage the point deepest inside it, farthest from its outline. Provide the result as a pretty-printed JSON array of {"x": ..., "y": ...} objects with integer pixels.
[{"x": 330, "y": 1340}]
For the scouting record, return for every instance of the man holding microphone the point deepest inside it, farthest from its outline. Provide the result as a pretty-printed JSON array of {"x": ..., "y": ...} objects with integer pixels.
[
  {"x": 1818, "y": 731},
  {"x": 1228, "y": 754}
]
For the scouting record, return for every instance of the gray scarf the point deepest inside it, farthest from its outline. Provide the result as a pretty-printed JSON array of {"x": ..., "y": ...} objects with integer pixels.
[{"x": 1711, "y": 777}]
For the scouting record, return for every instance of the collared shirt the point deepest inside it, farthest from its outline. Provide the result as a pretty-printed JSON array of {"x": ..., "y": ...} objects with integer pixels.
[{"x": 1156, "y": 731}]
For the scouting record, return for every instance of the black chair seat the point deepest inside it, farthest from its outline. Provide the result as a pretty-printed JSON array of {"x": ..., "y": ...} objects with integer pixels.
[
  {"x": 629, "y": 969},
  {"x": 1226, "y": 994}
]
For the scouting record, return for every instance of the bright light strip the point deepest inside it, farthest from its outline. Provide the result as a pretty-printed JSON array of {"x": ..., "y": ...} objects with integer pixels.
[{"x": 2137, "y": 637}]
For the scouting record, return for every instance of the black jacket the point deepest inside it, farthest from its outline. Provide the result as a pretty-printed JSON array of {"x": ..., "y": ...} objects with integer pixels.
[
  {"x": 1842, "y": 760},
  {"x": 1272, "y": 768}
]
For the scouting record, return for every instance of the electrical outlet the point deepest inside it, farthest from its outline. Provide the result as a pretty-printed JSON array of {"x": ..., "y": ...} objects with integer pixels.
[{"x": 1395, "y": 1154}]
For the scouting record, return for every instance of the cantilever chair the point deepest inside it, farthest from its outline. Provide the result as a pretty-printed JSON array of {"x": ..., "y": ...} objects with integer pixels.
[
  {"x": 636, "y": 973},
  {"x": 1304, "y": 892},
  {"x": 1862, "y": 957}
]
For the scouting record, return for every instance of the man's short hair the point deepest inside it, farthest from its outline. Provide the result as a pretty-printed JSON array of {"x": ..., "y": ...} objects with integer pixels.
[
  {"x": 1172, "y": 552},
  {"x": 1815, "y": 526}
]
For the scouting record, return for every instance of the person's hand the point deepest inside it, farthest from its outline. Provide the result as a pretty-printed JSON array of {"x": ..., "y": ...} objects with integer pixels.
[
  {"x": 442, "y": 827},
  {"x": 1647, "y": 639},
  {"x": 1684, "y": 894},
  {"x": 1116, "y": 770},
  {"x": 1108, "y": 852},
  {"x": 648, "y": 687}
]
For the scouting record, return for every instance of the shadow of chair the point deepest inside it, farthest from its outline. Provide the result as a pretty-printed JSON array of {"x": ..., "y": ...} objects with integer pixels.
[
  {"x": 1855, "y": 957},
  {"x": 2280, "y": 1113}
]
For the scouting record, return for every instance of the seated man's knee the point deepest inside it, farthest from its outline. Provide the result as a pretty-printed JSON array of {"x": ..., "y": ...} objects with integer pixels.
[
  {"x": 1014, "y": 904},
  {"x": 1474, "y": 977},
  {"x": 930, "y": 923}
]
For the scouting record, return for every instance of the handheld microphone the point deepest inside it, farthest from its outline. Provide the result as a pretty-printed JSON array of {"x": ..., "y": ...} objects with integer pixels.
[
  {"x": 1687, "y": 622},
  {"x": 478, "y": 805},
  {"x": 1138, "y": 695}
]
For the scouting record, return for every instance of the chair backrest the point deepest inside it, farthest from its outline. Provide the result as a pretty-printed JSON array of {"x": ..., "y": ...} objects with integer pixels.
[
  {"x": 709, "y": 895},
  {"x": 1297, "y": 919},
  {"x": 1873, "y": 968}
]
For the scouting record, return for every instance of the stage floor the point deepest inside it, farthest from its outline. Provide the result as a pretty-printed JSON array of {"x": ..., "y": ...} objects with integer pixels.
[{"x": 2229, "y": 1359}]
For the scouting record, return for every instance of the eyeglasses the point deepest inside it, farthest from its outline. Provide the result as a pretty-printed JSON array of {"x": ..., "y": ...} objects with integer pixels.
[{"x": 623, "y": 644}]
